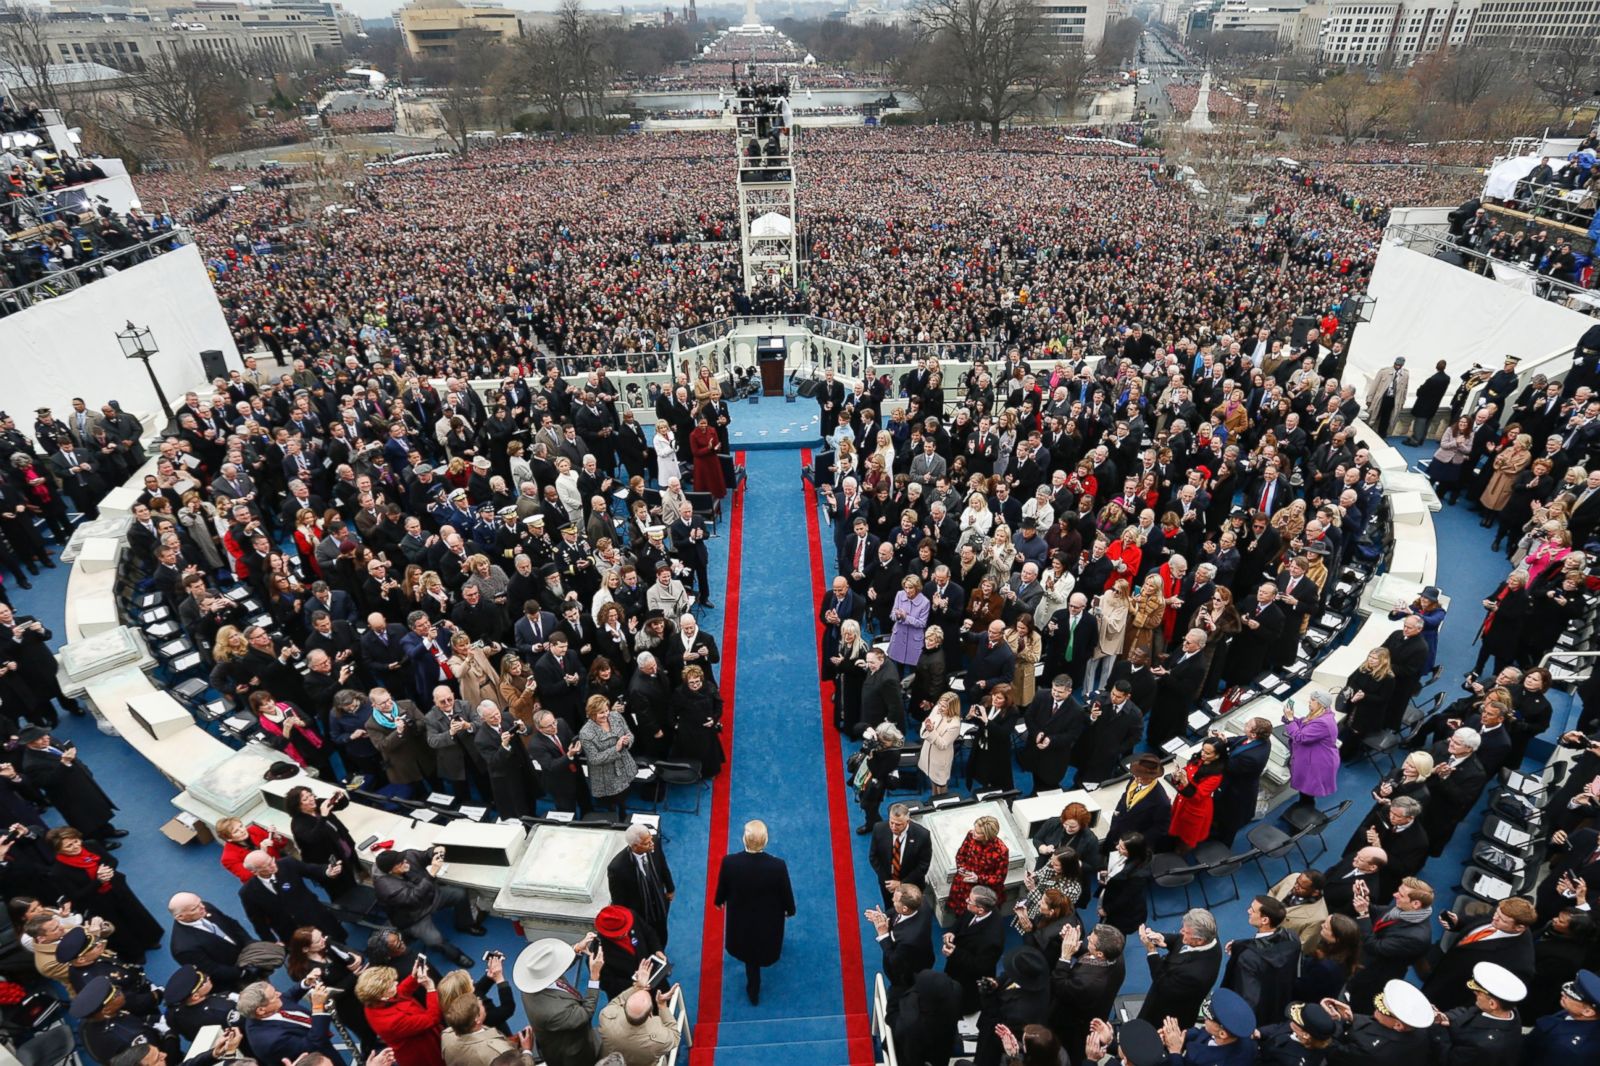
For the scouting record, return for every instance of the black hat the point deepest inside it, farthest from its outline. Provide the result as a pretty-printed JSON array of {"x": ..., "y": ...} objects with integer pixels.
[
  {"x": 1315, "y": 1020},
  {"x": 73, "y": 944},
  {"x": 33, "y": 733},
  {"x": 1026, "y": 967},
  {"x": 549, "y": 570},
  {"x": 388, "y": 860},
  {"x": 1030, "y": 523},
  {"x": 182, "y": 983},
  {"x": 1141, "y": 1044},
  {"x": 655, "y": 614},
  {"x": 662, "y": 564},
  {"x": 91, "y": 997}
]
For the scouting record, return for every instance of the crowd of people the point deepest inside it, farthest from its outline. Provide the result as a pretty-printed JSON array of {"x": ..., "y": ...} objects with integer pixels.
[
  {"x": 1155, "y": 538},
  {"x": 1149, "y": 494},
  {"x": 1047, "y": 240}
]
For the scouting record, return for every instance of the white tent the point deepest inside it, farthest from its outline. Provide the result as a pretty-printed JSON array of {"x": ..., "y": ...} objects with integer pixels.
[{"x": 771, "y": 224}]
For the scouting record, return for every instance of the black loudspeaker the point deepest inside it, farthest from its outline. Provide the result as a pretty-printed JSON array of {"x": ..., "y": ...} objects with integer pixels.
[
  {"x": 807, "y": 387},
  {"x": 1303, "y": 324},
  {"x": 215, "y": 365}
]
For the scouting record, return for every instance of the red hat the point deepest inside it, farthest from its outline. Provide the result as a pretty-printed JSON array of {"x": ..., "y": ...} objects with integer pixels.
[{"x": 613, "y": 922}]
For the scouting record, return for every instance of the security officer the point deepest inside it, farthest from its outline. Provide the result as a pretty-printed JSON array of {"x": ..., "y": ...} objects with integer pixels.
[
  {"x": 89, "y": 957},
  {"x": 1394, "y": 1034},
  {"x": 1302, "y": 1040},
  {"x": 193, "y": 1004},
  {"x": 13, "y": 441},
  {"x": 1489, "y": 1030},
  {"x": 106, "y": 1028},
  {"x": 1225, "y": 1036},
  {"x": 1571, "y": 1036}
]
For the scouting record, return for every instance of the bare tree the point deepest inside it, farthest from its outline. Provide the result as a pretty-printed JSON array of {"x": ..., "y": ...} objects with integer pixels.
[
  {"x": 1565, "y": 73},
  {"x": 23, "y": 46},
  {"x": 459, "y": 80},
  {"x": 188, "y": 100},
  {"x": 581, "y": 37},
  {"x": 1346, "y": 106},
  {"x": 1118, "y": 44},
  {"x": 987, "y": 60},
  {"x": 1467, "y": 76}
]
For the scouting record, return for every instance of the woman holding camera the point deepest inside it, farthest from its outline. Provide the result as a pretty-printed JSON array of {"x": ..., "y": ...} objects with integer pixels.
[
  {"x": 1196, "y": 783},
  {"x": 313, "y": 957},
  {"x": 411, "y": 1025},
  {"x": 321, "y": 837}
]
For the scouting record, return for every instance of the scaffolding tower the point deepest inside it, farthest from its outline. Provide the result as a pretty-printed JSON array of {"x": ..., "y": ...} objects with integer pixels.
[{"x": 768, "y": 229}]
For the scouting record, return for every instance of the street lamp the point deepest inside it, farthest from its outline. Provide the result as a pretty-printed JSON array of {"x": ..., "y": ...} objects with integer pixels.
[{"x": 137, "y": 343}]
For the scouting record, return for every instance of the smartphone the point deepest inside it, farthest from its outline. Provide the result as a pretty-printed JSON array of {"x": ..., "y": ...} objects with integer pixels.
[{"x": 367, "y": 843}]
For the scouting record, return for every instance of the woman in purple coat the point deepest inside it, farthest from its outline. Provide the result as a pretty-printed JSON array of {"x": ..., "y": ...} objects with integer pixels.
[
  {"x": 910, "y": 616},
  {"x": 1313, "y": 749}
]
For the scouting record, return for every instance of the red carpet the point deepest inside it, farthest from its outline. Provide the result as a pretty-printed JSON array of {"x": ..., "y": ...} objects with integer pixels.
[
  {"x": 703, "y": 1053},
  {"x": 858, "y": 1029}
]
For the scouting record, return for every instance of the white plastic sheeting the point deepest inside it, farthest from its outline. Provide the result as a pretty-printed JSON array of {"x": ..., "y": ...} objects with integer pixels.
[
  {"x": 1504, "y": 175},
  {"x": 67, "y": 346},
  {"x": 771, "y": 224},
  {"x": 1429, "y": 310}
]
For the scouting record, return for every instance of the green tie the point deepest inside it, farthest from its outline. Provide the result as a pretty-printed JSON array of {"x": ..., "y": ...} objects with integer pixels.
[{"x": 1072, "y": 634}]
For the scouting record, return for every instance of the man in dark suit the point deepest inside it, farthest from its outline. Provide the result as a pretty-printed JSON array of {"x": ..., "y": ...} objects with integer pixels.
[
  {"x": 905, "y": 937},
  {"x": 900, "y": 853},
  {"x": 858, "y": 556},
  {"x": 756, "y": 898},
  {"x": 1398, "y": 937},
  {"x": 880, "y": 693},
  {"x": 1055, "y": 721},
  {"x": 1339, "y": 881},
  {"x": 830, "y": 398},
  {"x": 278, "y": 898},
  {"x": 1585, "y": 513},
  {"x": 1404, "y": 841},
  {"x": 1075, "y": 634},
  {"x": 973, "y": 946},
  {"x": 1084, "y": 983},
  {"x": 531, "y": 632},
  {"x": 550, "y": 746},
  {"x": 1235, "y": 804},
  {"x": 559, "y": 674},
  {"x": 641, "y": 881},
  {"x": 1408, "y": 657},
  {"x": 384, "y": 656},
  {"x": 1458, "y": 778},
  {"x": 1251, "y": 651},
  {"x": 1262, "y": 969},
  {"x": 1143, "y": 806},
  {"x": 427, "y": 646},
  {"x": 1505, "y": 937},
  {"x": 208, "y": 939},
  {"x": 279, "y": 1033},
  {"x": 67, "y": 784},
  {"x": 1182, "y": 677},
  {"x": 992, "y": 662},
  {"x": 1181, "y": 979}
]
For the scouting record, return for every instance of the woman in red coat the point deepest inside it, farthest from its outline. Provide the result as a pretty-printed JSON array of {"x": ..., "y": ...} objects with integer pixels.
[
  {"x": 412, "y": 1028},
  {"x": 1196, "y": 784},
  {"x": 704, "y": 444},
  {"x": 982, "y": 859}
]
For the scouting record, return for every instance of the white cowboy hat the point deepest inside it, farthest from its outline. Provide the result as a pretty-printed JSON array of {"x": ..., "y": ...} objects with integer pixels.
[{"x": 540, "y": 963}]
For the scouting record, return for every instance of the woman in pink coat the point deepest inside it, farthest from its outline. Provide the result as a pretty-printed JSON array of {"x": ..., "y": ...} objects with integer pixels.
[{"x": 1313, "y": 749}]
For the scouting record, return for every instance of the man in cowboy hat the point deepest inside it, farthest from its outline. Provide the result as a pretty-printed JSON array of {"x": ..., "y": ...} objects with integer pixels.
[{"x": 558, "y": 1011}]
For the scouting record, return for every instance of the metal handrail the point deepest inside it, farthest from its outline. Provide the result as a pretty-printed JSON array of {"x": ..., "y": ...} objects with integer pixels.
[
  {"x": 58, "y": 282},
  {"x": 1402, "y": 234}
]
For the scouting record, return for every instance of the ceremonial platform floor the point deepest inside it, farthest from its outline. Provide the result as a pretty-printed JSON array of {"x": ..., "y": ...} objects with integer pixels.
[{"x": 770, "y": 562}]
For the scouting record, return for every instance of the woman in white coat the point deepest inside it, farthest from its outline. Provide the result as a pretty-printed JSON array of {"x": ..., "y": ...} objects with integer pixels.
[{"x": 666, "y": 454}]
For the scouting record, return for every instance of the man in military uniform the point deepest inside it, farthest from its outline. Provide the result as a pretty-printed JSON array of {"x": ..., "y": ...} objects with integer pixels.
[
  {"x": 1224, "y": 1037},
  {"x": 577, "y": 568},
  {"x": 1301, "y": 1040},
  {"x": 536, "y": 543},
  {"x": 1501, "y": 385},
  {"x": 1571, "y": 1036},
  {"x": 87, "y": 957},
  {"x": 1489, "y": 1030},
  {"x": 1394, "y": 1034},
  {"x": 507, "y": 541},
  {"x": 193, "y": 1003},
  {"x": 106, "y": 1028}
]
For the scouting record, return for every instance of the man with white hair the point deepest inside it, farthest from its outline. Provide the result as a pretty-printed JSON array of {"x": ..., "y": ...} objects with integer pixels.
[
  {"x": 693, "y": 646},
  {"x": 1458, "y": 778},
  {"x": 278, "y": 898},
  {"x": 204, "y": 937},
  {"x": 641, "y": 880}
]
